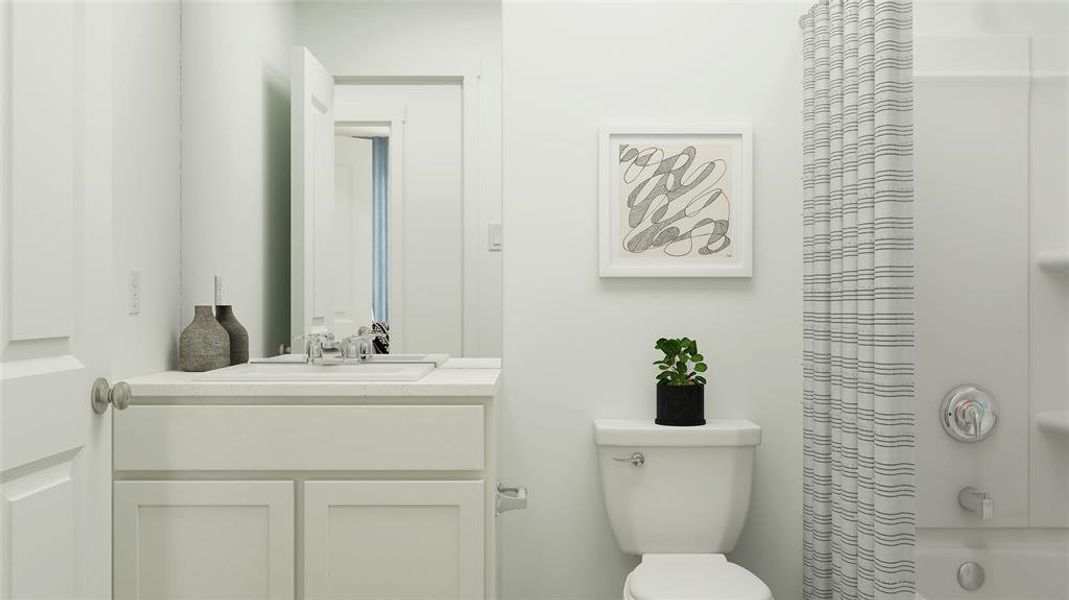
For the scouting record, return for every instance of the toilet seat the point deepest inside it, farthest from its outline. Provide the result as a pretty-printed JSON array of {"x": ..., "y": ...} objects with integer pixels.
[{"x": 692, "y": 577}]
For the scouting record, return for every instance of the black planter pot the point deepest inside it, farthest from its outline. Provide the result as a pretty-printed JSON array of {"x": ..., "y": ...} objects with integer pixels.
[{"x": 680, "y": 405}]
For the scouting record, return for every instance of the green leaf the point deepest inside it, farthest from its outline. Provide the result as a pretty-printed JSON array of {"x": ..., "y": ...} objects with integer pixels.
[
  {"x": 697, "y": 358},
  {"x": 699, "y": 380},
  {"x": 701, "y": 367}
]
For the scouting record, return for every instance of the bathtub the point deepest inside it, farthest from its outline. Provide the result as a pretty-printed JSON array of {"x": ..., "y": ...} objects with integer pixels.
[{"x": 1019, "y": 564}]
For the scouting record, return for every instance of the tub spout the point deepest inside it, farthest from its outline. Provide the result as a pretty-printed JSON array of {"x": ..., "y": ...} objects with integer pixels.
[{"x": 976, "y": 501}]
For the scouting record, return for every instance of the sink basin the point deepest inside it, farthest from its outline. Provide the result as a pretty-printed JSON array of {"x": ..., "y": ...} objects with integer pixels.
[
  {"x": 283, "y": 371},
  {"x": 434, "y": 359}
]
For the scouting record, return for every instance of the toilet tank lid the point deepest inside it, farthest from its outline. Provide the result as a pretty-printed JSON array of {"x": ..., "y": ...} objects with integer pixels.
[{"x": 726, "y": 432}]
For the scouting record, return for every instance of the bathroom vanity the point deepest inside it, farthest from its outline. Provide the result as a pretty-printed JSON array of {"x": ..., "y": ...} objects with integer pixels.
[
  {"x": 307, "y": 489},
  {"x": 335, "y": 472}
]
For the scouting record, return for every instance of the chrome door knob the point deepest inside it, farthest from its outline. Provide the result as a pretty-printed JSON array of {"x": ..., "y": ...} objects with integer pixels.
[{"x": 103, "y": 394}]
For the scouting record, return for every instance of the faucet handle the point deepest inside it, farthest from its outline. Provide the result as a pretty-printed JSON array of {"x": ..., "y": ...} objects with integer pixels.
[
  {"x": 968, "y": 413},
  {"x": 359, "y": 346}
]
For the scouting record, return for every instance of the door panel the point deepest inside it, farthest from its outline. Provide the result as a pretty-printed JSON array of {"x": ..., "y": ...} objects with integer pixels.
[
  {"x": 393, "y": 539},
  {"x": 204, "y": 539},
  {"x": 39, "y": 509},
  {"x": 312, "y": 201},
  {"x": 42, "y": 167},
  {"x": 55, "y": 453}
]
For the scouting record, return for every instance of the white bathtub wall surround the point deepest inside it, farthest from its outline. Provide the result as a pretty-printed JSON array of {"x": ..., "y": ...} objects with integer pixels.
[
  {"x": 960, "y": 82},
  {"x": 236, "y": 162},
  {"x": 1049, "y": 287},
  {"x": 860, "y": 517},
  {"x": 311, "y": 489},
  {"x": 1003, "y": 64},
  {"x": 999, "y": 73},
  {"x": 567, "y": 66}
]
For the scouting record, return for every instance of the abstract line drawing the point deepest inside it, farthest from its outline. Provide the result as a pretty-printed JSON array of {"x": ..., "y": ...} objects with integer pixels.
[{"x": 675, "y": 199}]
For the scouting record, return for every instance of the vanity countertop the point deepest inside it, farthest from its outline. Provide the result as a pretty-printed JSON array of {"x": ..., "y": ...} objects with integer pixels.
[{"x": 459, "y": 377}]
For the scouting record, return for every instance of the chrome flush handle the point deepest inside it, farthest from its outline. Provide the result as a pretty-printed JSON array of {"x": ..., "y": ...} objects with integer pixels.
[{"x": 637, "y": 459}]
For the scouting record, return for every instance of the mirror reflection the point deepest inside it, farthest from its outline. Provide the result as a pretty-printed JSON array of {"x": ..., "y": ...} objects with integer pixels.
[{"x": 390, "y": 237}]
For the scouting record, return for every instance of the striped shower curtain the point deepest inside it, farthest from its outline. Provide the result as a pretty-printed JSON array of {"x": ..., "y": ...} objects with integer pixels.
[{"x": 859, "y": 518}]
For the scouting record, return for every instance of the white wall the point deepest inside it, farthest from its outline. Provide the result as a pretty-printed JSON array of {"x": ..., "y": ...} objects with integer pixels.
[
  {"x": 578, "y": 347},
  {"x": 235, "y": 162},
  {"x": 145, "y": 138},
  {"x": 419, "y": 38}
]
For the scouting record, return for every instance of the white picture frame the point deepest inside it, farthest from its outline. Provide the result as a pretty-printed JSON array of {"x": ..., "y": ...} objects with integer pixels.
[{"x": 652, "y": 243}]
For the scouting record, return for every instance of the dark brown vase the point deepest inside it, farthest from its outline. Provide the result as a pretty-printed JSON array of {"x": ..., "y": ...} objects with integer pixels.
[
  {"x": 680, "y": 405},
  {"x": 239, "y": 336}
]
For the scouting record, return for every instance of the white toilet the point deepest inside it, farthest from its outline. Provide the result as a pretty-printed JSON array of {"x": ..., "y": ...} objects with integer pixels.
[{"x": 678, "y": 497}]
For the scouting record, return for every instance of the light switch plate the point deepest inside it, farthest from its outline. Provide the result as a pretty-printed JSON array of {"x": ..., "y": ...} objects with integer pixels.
[
  {"x": 495, "y": 237},
  {"x": 134, "y": 295}
]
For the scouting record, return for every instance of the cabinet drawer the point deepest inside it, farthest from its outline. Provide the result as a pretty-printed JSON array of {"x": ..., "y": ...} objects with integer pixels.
[{"x": 299, "y": 438}]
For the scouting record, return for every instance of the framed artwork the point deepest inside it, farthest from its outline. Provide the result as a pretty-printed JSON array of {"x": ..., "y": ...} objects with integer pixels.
[{"x": 676, "y": 199}]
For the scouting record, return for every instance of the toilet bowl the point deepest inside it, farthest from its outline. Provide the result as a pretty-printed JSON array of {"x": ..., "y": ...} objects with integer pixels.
[
  {"x": 692, "y": 577},
  {"x": 678, "y": 497}
]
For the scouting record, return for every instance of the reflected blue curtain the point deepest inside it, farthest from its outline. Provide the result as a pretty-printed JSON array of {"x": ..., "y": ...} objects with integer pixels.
[{"x": 380, "y": 249}]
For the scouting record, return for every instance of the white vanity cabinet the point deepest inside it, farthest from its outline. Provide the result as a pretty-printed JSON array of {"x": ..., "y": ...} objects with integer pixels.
[
  {"x": 204, "y": 539},
  {"x": 306, "y": 490},
  {"x": 393, "y": 539}
]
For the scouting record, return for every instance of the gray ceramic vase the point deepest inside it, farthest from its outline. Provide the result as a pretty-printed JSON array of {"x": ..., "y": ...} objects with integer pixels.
[
  {"x": 204, "y": 344},
  {"x": 239, "y": 336}
]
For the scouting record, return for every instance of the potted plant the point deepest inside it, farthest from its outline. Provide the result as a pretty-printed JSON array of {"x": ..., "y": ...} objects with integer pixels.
[{"x": 680, "y": 385}]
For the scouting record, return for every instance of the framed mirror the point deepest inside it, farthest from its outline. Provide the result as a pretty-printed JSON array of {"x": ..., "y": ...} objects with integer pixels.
[{"x": 388, "y": 230}]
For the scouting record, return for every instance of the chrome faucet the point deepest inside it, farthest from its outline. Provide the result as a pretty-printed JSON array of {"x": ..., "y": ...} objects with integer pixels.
[
  {"x": 977, "y": 501},
  {"x": 323, "y": 348},
  {"x": 361, "y": 346}
]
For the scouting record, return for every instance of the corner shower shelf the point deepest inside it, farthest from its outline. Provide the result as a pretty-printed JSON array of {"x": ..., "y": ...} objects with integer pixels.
[
  {"x": 1054, "y": 261},
  {"x": 1054, "y": 422}
]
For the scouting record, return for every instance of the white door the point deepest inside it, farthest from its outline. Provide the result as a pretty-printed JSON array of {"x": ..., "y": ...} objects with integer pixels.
[
  {"x": 393, "y": 539},
  {"x": 204, "y": 539},
  {"x": 312, "y": 240},
  {"x": 55, "y": 451}
]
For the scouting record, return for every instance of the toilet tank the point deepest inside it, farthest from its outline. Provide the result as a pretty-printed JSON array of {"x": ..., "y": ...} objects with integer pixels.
[{"x": 691, "y": 492}]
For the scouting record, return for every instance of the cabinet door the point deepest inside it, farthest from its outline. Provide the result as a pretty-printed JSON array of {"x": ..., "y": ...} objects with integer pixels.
[
  {"x": 204, "y": 539},
  {"x": 393, "y": 539}
]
